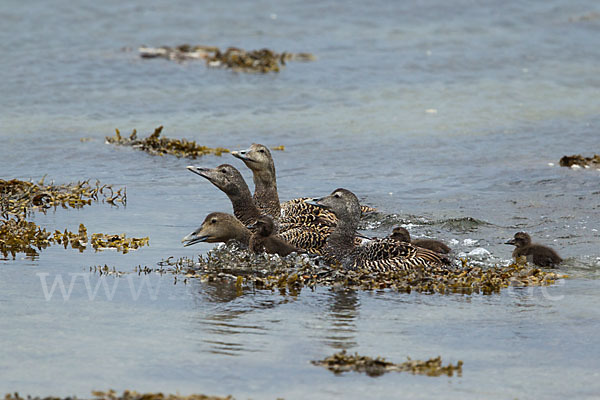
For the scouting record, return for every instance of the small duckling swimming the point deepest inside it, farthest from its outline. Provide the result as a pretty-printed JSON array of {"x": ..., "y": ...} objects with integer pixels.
[
  {"x": 263, "y": 240},
  {"x": 541, "y": 256},
  {"x": 401, "y": 234},
  {"x": 219, "y": 227}
]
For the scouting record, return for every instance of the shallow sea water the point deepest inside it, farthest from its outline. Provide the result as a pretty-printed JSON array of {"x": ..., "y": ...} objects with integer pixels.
[{"x": 444, "y": 116}]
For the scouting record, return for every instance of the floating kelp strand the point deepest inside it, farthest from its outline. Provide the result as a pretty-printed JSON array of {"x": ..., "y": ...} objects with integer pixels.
[
  {"x": 156, "y": 145},
  {"x": 262, "y": 61},
  {"x": 343, "y": 362}
]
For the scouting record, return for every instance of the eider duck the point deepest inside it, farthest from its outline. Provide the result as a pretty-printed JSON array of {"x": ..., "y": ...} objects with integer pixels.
[
  {"x": 541, "y": 256},
  {"x": 231, "y": 182},
  {"x": 219, "y": 227},
  {"x": 308, "y": 232},
  {"x": 263, "y": 239},
  {"x": 401, "y": 234},
  {"x": 376, "y": 255},
  {"x": 258, "y": 158}
]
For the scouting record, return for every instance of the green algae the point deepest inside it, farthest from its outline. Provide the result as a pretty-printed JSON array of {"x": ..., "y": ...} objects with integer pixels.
[
  {"x": 126, "y": 395},
  {"x": 260, "y": 61},
  {"x": 343, "y": 362},
  {"x": 21, "y": 197},
  {"x": 156, "y": 145}
]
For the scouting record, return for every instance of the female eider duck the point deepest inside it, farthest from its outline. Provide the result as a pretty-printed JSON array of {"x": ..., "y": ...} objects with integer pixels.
[
  {"x": 401, "y": 234},
  {"x": 541, "y": 256},
  {"x": 258, "y": 158},
  {"x": 219, "y": 227},
  {"x": 376, "y": 255},
  {"x": 308, "y": 232},
  {"x": 263, "y": 239}
]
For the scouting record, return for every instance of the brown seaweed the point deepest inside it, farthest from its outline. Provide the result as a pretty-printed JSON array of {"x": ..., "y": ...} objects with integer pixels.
[
  {"x": 263, "y": 60},
  {"x": 21, "y": 197},
  {"x": 295, "y": 272},
  {"x": 342, "y": 362},
  {"x": 580, "y": 161},
  {"x": 126, "y": 395},
  {"x": 20, "y": 236},
  {"x": 156, "y": 145}
]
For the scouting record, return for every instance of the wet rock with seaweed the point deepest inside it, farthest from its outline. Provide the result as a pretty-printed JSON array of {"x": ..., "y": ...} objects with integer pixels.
[{"x": 579, "y": 161}]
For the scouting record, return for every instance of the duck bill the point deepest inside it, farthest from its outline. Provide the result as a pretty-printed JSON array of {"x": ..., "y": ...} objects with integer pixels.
[
  {"x": 193, "y": 238},
  {"x": 203, "y": 172},
  {"x": 316, "y": 203},
  {"x": 242, "y": 155},
  {"x": 512, "y": 241}
]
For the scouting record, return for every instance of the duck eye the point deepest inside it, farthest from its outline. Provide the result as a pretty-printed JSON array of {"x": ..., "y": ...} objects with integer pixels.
[
  {"x": 213, "y": 221},
  {"x": 224, "y": 171},
  {"x": 337, "y": 195},
  {"x": 261, "y": 151}
]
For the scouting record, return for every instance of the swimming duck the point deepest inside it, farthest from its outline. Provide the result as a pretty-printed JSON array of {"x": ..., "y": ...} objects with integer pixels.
[
  {"x": 231, "y": 182},
  {"x": 219, "y": 227},
  {"x": 258, "y": 158},
  {"x": 401, "y": 234},
  {"x": 305, "y": 232},
  {"x": 376, "y": 255},
  {"x": 263, "y": 239},
  {"x": 541, "y": 256}
]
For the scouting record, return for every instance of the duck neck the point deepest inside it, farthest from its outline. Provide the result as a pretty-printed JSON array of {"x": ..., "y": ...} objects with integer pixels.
[
  {"x": 340, "y": 243},
  {"x": 244, "y": 208},
  {"x": 242, "y": 234},
  {"x": 265, "y": 193}
]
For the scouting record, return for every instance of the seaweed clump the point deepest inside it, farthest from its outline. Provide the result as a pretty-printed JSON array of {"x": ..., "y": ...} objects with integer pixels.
[
  {"x": 156, "y": 145},
  {"x": 126, "y": 395},
  {"x": 343, "y": 362},
  {"x": 294, "y": 272},
  {"x": 577, "y": 160},
  {"x": 20, "y": 236},
  {"x": 262, "y": 61},
  {"x": 20, "y": 197}
]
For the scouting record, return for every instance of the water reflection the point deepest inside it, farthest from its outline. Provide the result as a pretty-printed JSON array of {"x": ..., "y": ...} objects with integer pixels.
[{"x": 341, "y": 331}]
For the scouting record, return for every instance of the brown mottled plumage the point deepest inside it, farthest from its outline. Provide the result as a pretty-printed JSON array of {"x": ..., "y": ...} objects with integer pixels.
[
  {"x": 401, "y": 234},
  {"x": 263, "y": 239},
  {"x": 376, "y": 255},
  {"x": 540, "y": 255},
  {"x": 219, "y": 227}
]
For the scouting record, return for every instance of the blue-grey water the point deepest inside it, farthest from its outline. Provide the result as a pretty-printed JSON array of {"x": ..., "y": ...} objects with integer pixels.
[{"x": 434, "y": 112}]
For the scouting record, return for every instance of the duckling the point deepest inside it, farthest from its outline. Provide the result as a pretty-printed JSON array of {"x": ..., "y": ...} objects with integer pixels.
[
  {"x": 230, "y": 181},
  {"x": 258, "y": 158},
  {"x": 263, "y": 239},
  {"x": 401, "y": 234},
  {"x": 541, "y": 256},
  {"x": 219, "y": 227},
  {"x": 376, "y": 255}
]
